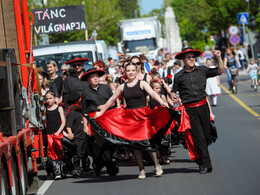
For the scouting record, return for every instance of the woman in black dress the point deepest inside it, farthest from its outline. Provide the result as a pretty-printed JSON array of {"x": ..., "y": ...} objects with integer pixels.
[{"x": 136, "y": 125}]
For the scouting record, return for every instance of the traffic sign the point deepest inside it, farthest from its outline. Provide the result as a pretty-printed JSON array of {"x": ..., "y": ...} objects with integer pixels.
[
  {"x": 242, "y": 18},
  {"x": 234, "y": 40},
  {"x": 233, "y": 30}
]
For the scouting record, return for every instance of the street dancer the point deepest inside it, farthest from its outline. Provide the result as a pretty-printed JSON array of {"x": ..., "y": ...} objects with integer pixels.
[
  {"x": 191, "y": 84},
  {"x": 55, "y": 123},
  {"x": 135, "y": 125},
  {"x": 96, "y": 96}
]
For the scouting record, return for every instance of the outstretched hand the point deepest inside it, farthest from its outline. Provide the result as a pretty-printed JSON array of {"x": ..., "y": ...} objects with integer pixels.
[
  {"x": 217, "y": 53},
  {"x": 164, "y": 104},
  {"x": 98, "y": 114},
  {"x": 174, "y": 97}
]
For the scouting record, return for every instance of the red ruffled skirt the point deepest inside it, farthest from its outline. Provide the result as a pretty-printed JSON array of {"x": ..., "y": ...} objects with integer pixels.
[
  {"x": 54, "y": 149},
  {"x": 134, "y": 127}
]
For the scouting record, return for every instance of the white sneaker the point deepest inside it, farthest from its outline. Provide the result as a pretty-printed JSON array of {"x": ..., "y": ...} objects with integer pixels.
[{"x": 57, "y": 177}]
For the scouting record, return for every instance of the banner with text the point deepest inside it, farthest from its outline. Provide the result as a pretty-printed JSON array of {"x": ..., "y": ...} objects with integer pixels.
[{"x": 59, "y": 19}]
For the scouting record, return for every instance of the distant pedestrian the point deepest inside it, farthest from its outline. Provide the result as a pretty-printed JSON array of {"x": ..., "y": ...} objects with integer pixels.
[
  {"x": 231, "y": 61},
  {"x": 252, "y": 69},
  {"x": 65, "y": 70},
  {"x": 213, "y": 85},
  {"x": 185, "y": 44},
  {"x": 241, "y": 57}
]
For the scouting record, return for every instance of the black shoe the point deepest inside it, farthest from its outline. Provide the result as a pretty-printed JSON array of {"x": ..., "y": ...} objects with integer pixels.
[
  {"x": 96, "y": 170},
  {"x": 87, "y": 170},
  {"x": 205, "y": 170}
]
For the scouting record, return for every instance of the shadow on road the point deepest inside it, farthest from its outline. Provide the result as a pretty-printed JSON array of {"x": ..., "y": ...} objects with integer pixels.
[{"x": 106, "y": 178}]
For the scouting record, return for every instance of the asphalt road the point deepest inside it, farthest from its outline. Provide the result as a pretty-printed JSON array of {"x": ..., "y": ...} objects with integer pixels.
[{"x": 235, "y": 159}]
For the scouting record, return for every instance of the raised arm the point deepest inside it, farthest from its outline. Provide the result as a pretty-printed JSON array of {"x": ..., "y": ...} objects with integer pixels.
[
  {"x": 220, "y": 65},
  {"x": 111, "y": 100},
  {"x": 152, "y": 93}
]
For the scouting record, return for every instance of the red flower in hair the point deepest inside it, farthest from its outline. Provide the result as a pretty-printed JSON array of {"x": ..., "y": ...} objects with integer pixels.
[
  {"x": 106, "y": 78},
  {"x": 150, "y": 72},
  {"x": 156, "y": 80},
  {"x": 169, "y": 76}
]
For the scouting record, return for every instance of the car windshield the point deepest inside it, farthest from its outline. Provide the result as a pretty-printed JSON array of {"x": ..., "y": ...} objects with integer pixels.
[
  {"x": 139, "y": 45},
  {"x": 61, "y": 58}
]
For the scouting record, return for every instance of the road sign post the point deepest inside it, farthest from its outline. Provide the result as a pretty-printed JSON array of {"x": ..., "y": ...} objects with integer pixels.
[
  {"x": 234, "y": 39},
  {"x": 242, "y": 18}
]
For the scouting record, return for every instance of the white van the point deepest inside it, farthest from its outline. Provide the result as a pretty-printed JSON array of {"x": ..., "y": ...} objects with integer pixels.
[
  {"x": 103, "y": 52},
  {"x": 63, "y": 52}
]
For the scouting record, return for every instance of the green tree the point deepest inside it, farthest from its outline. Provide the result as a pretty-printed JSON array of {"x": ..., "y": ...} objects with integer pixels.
[
  {"x": 129, "y": 8},
  {"x": 101, "y": 15},
  {"x": 194, "y": 15}
]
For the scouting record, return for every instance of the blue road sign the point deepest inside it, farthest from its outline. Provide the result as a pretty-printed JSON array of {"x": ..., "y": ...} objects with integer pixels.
[
  {"x": 234, "y": 40},
  {"x": 242, "y": 18}
]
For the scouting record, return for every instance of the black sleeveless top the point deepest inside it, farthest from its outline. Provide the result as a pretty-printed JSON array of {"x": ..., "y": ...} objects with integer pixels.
[
  {"x": 53, "y": 121},
  {"x": 134, "y": 96},
  {"x": 153, "y": 103},
  {"x": 145, "y": 75}
]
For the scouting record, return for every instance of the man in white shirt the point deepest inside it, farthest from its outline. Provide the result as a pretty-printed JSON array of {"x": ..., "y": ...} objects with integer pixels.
[
  {"x": 111, "y": 69},
  {"x": 163, "y": 70}
]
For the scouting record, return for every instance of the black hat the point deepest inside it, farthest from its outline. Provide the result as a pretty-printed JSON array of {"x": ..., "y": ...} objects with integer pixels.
[
  {"x": 181, "y": 55},
  {"x": 90, "y": 71},
  {"x": 77, "y": 58},
  {"x": 73, "y": 100}
]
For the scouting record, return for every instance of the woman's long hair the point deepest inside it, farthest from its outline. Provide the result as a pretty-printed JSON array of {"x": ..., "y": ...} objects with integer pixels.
[
  {"x": 45, "y": 83},
  {"x": 142, "y": 64}
]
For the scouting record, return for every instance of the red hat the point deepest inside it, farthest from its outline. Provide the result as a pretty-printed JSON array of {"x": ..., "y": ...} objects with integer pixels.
[
  {"x": 100, "y": 63},
  {"x": 90, "y": 71},
  {"x": 181, "y": 55},
  {"x": 77, "y": 58}
]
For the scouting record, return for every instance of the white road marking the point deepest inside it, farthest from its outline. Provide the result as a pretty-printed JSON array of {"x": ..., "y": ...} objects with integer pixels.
[{"x": 44, "y": 187}]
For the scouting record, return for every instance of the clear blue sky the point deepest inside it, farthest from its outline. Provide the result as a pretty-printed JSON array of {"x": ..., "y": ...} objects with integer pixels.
[{"x": 149, "y": 5}]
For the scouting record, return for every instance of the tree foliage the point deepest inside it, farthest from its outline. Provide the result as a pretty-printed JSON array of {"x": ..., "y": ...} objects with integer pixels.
[
  {"x": 192, "y": 16},
  {"x": 216, "y": 15},
  {"x": 129, "y": 8},
  {"x": 101, "y": 15}
]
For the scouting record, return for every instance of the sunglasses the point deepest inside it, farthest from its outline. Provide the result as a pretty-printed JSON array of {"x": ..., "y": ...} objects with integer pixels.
[
  {"x": 137, "y": 63},
  {"x": 75, "y": 65},
  {"x": 190, "y": 57}
]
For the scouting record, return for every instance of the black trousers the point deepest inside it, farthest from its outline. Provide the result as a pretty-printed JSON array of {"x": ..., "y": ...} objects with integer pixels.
[
  {"x": 80, "y": 155},
  {"x": 102, "y": 153},
  {"x": 200, "y": 131}
]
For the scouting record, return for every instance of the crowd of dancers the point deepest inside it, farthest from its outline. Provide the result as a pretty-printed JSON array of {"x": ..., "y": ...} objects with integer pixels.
[{"x": 136, "y": 107}]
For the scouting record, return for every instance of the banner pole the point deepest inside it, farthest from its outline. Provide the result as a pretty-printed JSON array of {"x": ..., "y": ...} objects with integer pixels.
[{"x": 86, "y": 31}]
